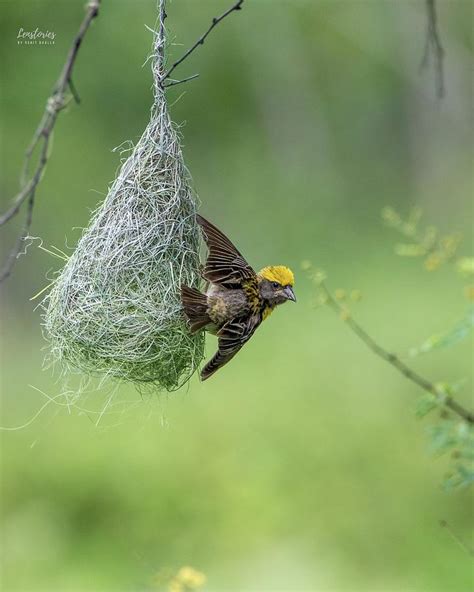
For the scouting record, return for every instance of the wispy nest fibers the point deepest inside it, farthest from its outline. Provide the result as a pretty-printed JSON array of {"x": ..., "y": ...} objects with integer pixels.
[{"x": 115, "y": 307}]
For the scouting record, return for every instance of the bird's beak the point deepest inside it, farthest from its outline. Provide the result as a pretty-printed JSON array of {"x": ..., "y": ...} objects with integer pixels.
[{"x": 288, "y": 292}]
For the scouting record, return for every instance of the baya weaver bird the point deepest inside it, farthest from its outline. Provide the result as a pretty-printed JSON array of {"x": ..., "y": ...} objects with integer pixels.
[{"x": 237, "y": 299}]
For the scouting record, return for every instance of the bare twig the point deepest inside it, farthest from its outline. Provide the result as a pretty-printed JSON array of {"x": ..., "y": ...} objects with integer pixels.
[
  {"x": 457, "y": 538},
  {"x": 200, "y": 41},
  {"x": 395, "y": 361},
  {"x": 58, "y": 100},
  {"x": 175, "y": 82},
  {"x": 55, "y": 103},
  {"x": 74, "y": 92},
  {"x": 433, "y": 46}
]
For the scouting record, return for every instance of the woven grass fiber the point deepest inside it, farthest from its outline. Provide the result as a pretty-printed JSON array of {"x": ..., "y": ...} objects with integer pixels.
[{"x": 115, "y": 309}]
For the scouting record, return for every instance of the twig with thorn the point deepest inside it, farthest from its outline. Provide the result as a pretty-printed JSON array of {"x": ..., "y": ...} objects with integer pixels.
[
  {"x": 394, "y": 360},
  {"x": 200, "y": 41},
  {"x": 433, "y": 46},
  {"x": 55, "y": 103},
  {"x": 175, "y": 82},
  {"x": 457, "y": 538},
  {"x": 74, "y": 92}
]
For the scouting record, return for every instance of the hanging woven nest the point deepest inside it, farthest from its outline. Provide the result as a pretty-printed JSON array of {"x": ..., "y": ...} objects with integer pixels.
[{"x": 115, "y": 307}]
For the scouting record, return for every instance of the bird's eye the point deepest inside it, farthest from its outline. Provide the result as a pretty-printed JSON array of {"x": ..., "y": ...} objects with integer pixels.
[{"x": 275, "y": 285}]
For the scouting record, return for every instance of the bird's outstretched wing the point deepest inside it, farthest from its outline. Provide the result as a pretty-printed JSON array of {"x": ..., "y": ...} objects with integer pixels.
[
  {"x": 232, "y": 336},
  {"x": 225, "y": 265}
]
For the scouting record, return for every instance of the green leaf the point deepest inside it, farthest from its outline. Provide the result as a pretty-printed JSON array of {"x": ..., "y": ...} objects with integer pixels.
[
  {"x": 425, "y": 404},
  {"x": 391, "y": 217},
  {"x": 462, "y": 477},
  {"x": 442, "y": 438},
  {"x": 410, "y": 250},
  {"x": 465, "y": 266},
  {"x": 466, "y": 474},
  {"x": 460, "y": 331}
]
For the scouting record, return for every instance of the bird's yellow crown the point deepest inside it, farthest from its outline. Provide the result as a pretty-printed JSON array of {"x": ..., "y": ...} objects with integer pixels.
[{"x": 278, "y": 273}]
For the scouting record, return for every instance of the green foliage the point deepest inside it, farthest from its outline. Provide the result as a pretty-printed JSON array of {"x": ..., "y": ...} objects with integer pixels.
[
  {"x": 452, "y": 336},
  {"x": 455, "y": 438},
  {"x": 447, "y": 435},
  {"x": 425, "y": 404},
  {"x": 435, "y": 248}
]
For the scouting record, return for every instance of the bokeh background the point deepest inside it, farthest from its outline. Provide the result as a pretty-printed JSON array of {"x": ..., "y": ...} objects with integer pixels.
[{"x": 301, "y": 465}]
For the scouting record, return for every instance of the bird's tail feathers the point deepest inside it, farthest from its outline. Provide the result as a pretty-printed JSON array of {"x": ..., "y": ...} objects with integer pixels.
[{"x": 195, "y": 308}]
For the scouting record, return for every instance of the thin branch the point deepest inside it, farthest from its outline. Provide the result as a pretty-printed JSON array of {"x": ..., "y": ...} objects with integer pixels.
[
  {"x": 200, "y": 41},
  {"x": 395, "y": 361},
  {"x": 457, "y": 538},
  {"x": 175, "y": 82},
  {"x": 55, "y": 103},
  {"x": 433, "y": 46},
  {"x": 74, "y": 92}
]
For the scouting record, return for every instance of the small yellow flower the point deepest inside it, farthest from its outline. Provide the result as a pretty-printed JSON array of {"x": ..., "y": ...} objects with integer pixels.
[
  {"x": 191, "y": 578},
  {"x": 318, "y": 276},
  {"x": 450, "y": 243},
  {"x": 340, "y": 294},
  {"x": 356, "y": 295},
  {"x": 345, "y": 315},
  {"x": 321, "y": 300},
  {"x": 433, "y": 262},
  {"x": 175, "y": 586},
  {"x": 469, "y": 290}
]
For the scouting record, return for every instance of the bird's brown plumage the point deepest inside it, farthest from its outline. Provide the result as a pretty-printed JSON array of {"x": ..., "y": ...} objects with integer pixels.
[
  {"x": 225, "y": 265},
  {"x": 233, "y": 306}
]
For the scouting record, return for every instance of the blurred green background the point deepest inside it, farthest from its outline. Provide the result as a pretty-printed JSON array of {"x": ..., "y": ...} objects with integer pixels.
[{"x": 301, "y": 465}]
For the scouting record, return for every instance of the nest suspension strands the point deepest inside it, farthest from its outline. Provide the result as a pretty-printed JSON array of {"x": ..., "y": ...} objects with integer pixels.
[{"x": 115, "y": 307}]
